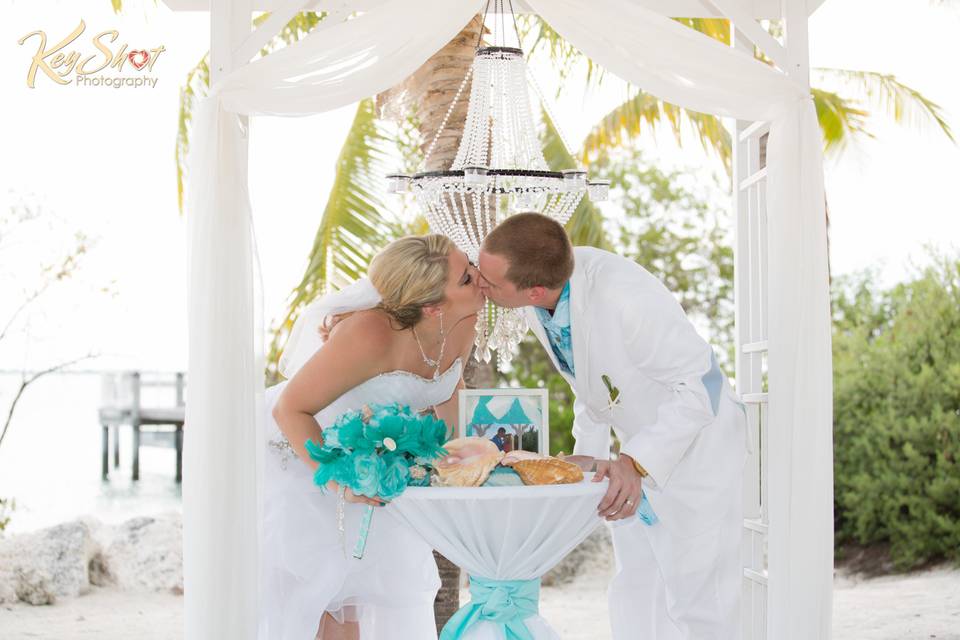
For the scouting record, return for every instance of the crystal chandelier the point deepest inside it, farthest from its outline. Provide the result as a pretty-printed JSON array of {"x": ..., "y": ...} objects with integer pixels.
[{"x": 499, "y": 170}]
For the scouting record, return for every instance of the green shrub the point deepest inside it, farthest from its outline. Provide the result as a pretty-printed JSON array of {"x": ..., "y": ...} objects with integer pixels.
[{"x": 897, "y": 414}]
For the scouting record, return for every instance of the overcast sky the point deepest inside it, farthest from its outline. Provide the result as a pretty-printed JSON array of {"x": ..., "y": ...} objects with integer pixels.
[{"x": 100, "y": 161}]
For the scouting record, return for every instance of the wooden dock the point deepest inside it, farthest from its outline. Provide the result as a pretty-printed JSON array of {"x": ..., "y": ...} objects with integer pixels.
[{"x": 121, "y": 406}]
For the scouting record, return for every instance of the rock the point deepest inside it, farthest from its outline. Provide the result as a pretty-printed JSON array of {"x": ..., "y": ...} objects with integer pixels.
[
  {"x": 55, "y": 562},
  {"x": 142, "y": 554},
  {"x": 596, "y": 551},
  {"x": 34, "y": 586},
  {"x": 145, "y": 554}
]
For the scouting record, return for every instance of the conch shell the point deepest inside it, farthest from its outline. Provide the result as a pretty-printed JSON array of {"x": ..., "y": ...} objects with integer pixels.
[
  {"x": 468, "y": 462},
  {"x": 517, "y": 455},
  {"x": 548, "y": 471}
]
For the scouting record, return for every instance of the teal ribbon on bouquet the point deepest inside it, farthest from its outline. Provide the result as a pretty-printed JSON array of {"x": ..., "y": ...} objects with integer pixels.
[{"x": 506, "y": 603}]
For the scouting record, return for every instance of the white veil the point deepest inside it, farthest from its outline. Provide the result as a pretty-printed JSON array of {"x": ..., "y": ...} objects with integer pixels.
[{"x": 305, "y": 336}]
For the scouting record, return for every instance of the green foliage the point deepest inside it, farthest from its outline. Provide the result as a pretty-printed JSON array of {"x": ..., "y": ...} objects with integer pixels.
[
  {"x": 897, "y": 414},
  {"x": 7, "y": 506},
  {"x": 532, "y": 369},
  {"x": 677, "y": 230},
  {"x": 196, "y": 86},
  {"x": 585, "y": 226},
  {"x": 883, "y": 91},
  {"x": 354, "y": 224},
  {"x": 530, "y": 441}
]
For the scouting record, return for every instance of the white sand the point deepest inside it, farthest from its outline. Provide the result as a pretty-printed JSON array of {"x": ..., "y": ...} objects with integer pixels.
[
  {"x": 103, "y": 613},
  {"x": 911, "y": 607}
]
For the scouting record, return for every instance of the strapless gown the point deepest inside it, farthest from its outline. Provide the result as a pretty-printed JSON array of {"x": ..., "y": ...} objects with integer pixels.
[{"x": 390, "y": 591}]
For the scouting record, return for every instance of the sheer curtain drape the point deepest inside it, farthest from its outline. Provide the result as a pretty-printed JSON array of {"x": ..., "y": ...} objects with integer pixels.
[{"x": 345, "y": 62}]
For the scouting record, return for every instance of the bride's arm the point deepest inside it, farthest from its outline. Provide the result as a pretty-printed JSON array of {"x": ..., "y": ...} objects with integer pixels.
[
  {"x": 463, "y": 336},
  {"x": 449, "y": 411},
  {"x": 354, "y": 352}
]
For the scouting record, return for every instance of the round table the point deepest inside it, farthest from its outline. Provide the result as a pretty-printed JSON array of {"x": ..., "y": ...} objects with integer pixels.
[{"x": 506, "y": 538}]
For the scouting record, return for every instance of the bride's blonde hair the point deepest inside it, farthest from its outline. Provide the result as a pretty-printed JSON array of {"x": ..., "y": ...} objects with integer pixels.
[{"x": 409, "y": 273}]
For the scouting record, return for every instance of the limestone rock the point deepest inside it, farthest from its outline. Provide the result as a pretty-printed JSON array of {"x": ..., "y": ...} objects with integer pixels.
[
  {"x": 146, "y": 554},
  {"x": 42, "y": 566}
]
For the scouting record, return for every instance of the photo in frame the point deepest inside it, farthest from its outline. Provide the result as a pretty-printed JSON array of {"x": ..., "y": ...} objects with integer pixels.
[{"x": 511, "y": 418}]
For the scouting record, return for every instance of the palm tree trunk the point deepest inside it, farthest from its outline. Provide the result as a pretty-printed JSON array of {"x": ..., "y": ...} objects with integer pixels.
[{"x": 427, "y": 94}]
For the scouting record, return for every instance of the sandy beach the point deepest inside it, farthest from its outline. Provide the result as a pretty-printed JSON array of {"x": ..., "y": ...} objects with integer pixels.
[{"x": 917, "y": 606}]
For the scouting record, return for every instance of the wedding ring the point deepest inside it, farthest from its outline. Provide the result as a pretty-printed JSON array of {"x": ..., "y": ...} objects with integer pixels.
[{"x": 629, "y": 502}]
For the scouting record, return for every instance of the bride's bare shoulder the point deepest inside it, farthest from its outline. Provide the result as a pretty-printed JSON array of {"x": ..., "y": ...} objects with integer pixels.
[{"x": 369, "y": 325}]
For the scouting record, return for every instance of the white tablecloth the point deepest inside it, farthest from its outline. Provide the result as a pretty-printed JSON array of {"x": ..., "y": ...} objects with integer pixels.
[{"x": 503, "y": 533}]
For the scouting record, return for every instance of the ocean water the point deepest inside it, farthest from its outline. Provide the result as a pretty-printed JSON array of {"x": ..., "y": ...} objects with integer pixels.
[{"x": 50, "y": 459}]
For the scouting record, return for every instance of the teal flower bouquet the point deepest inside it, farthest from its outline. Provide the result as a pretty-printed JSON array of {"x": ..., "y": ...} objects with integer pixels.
[{"x": 379, "y": 450}]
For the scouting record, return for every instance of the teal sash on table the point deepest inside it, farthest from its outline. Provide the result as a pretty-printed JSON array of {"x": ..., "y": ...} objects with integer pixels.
[{"x": 506, "y": 603}]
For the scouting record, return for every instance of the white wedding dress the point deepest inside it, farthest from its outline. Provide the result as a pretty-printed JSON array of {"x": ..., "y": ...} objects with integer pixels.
[{"x": 391, "y": 590}]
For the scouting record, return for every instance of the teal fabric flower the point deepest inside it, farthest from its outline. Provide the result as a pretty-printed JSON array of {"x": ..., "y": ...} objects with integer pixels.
[
  {"x": 367, "y": 470},
  {"x": 394, "y": 480},
  {"x": 371, "y": 450},
  {"x": 350, "y": 432}
]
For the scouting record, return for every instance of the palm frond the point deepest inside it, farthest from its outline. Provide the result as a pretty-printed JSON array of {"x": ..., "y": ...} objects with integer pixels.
[
  {"x": 563, "y": 55},
  {"x": 585, "y": 226},
  {"x": 355, "y": 223},
  {"x": 716, "y": 28},
  {"x": 195, "y": 88},
  {"x": 839, "y": 120},
  {"x": 300, "y": 25},
  {"x": 904, "y": 104},
  {"x": 643, "y": 112}
]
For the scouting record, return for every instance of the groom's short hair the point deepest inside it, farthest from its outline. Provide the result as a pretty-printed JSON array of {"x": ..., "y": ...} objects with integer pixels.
[{"x": 537, "y": 248}]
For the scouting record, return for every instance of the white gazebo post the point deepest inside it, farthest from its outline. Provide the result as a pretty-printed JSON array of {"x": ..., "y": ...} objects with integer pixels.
[
  {"x": 784, "y": 594},
  {"x": 220, "y": 506}
]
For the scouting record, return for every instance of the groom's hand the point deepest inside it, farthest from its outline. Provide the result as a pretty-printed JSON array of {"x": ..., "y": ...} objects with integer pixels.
[{"x": 623, "y": 494}]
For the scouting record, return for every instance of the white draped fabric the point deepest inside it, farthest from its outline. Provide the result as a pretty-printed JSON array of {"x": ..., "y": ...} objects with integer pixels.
[
  {"x": 504, "y": 533},
  {"x": 345, "y": 62}
]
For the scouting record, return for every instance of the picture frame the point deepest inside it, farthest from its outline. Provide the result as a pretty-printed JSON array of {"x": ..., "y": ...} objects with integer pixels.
[{"x": 513, "y": 414}]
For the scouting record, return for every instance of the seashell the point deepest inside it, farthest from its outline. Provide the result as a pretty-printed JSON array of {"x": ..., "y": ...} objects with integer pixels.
[
  {"x": 519, "y": 454},
  {"x": 548, "y": 471},
  {"x": 468, "y": 462},
  {"x": 503, "y": 477}
]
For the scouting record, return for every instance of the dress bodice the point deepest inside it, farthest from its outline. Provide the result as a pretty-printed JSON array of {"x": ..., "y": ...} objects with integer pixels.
[
  {"x": 407, "y": 388},
  {"x": 404, "y": 387}
]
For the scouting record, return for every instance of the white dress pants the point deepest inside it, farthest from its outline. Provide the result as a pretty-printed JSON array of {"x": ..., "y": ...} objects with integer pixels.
[{"x": 670, "y": 587}]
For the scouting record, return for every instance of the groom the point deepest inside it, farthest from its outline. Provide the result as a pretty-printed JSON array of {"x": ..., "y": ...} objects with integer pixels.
[{"x": 636, "y": 364}]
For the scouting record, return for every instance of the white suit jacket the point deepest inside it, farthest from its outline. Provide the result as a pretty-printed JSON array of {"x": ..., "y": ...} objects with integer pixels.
[{"x": 676, "y": 413}]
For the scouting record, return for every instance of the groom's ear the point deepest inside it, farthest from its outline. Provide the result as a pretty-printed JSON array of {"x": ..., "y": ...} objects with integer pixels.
[{"x": 536, "y": 294}]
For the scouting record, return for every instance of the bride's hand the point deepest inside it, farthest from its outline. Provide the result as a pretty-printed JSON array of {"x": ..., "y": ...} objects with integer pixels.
[{"x": 350, "y": 496}]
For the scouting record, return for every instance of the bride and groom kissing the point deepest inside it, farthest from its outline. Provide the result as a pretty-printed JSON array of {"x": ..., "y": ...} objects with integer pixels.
[{"x": 404, "y": 334}]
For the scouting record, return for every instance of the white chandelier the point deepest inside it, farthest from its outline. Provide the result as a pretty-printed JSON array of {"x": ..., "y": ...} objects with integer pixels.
[{"x": 499, "y": 170}]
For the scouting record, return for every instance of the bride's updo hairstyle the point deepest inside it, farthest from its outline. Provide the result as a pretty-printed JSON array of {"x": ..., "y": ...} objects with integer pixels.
[{"x": 411, "y": 273}]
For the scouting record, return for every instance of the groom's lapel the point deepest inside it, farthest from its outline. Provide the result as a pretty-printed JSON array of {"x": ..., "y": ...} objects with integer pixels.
[{"x": 580, "y": 327}]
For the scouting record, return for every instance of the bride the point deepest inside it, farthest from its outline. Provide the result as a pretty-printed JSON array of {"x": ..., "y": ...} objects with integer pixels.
[{"x": 402, "y": 335}]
